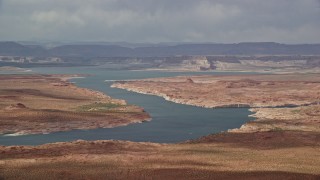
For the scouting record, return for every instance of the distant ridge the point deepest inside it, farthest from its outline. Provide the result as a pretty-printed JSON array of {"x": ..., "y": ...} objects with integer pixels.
[
  {"x": 250, "y": 48},
  {"x": 90, "y": 50}
]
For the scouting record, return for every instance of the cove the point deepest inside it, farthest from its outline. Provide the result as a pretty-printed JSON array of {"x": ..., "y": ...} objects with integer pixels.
[{"x": 170, "y": 122}]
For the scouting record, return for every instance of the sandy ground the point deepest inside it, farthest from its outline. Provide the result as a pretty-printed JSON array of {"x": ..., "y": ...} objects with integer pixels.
[
  {"x": 232, "y": 91},
  {"x": 31, "y": 104},
  {"x": 216, "y": 156}
]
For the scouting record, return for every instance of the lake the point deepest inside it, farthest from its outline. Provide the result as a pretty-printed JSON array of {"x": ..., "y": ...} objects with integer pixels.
[{"x": 170, "y": 122}]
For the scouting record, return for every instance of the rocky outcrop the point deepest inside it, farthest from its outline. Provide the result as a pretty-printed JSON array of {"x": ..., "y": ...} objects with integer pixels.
[
  {"x": 16, "y": 106},
  {"x": 305, "y": 118}
]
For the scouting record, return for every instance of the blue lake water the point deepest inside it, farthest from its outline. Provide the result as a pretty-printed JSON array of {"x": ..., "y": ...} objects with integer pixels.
[{"x": 170, "y": 122}]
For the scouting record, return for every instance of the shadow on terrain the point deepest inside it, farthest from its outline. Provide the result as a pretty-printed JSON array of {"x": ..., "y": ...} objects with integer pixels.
[
  {"x": 76, "y": 147},
  {"x": 38, "y": 93},
  {"x": 264, "y": 140},
  {"x": 109, "y": 172}
]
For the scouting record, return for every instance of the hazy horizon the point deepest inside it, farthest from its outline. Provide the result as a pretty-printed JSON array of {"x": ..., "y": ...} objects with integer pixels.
[{"x": 142, "y": 43}]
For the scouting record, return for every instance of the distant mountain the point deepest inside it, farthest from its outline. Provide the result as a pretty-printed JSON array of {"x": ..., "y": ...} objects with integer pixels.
[
  {"x": 232, "y": 49},
  {"x": 103, "y": 50},
  {"x": 90, "y": 51},
  {"x": 15, "y": 49}
]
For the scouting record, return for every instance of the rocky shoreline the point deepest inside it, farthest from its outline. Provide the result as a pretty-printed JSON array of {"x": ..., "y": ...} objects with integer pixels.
[
  {"x": 179, "y": 101},
  {"x": 147, "y": 87},
  {"x": 49, "y": 103},
  {"x": 272, "y": 115}
]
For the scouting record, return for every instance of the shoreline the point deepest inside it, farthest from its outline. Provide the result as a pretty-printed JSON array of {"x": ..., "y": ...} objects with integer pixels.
[
  {"x": 71, "y": 107},
  {"x": 219, "y": 91},
  {"x": 180, "y": 101},
  {"x": 272, "y": 115},
  {"x": 270, "y": 147}
]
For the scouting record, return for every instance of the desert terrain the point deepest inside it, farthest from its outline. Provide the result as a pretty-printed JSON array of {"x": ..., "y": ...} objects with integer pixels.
[
  {"x": 32, "y": 104},
  {"x": 246, "y": 57},
  {"x": 282, "y": 143},
  {"x": 212, "y": 91},
  {"x": 276, "y": 153}
]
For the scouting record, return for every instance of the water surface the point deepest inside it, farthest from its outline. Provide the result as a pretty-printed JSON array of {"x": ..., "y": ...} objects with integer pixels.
[{"x": 170, "y": 123}]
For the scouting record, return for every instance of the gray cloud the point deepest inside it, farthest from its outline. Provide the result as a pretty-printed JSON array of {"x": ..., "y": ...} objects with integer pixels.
[{"x": 289, "y": 21}]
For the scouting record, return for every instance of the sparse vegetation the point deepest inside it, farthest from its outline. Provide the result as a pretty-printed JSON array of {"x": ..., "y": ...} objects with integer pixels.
[
  {"x": 128, "y": 160},
  {"x": 272, "y": 147},
  {"x": 31, "y": 104},
  {"x": 98, "y": 107}
]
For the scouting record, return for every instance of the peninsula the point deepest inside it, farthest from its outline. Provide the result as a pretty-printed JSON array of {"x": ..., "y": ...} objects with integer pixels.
[
  {"x": 32, "y": 104},
  {"x": 214, "y": 91}
]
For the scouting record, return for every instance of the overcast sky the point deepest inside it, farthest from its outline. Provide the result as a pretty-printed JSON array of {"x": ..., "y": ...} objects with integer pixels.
[{"x": 221, "y": 21}]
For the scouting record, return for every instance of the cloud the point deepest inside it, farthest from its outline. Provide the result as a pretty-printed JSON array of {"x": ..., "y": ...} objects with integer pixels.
[
  {"x": 293, "y": 21},
  {"x": 318, "y": 3}
]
